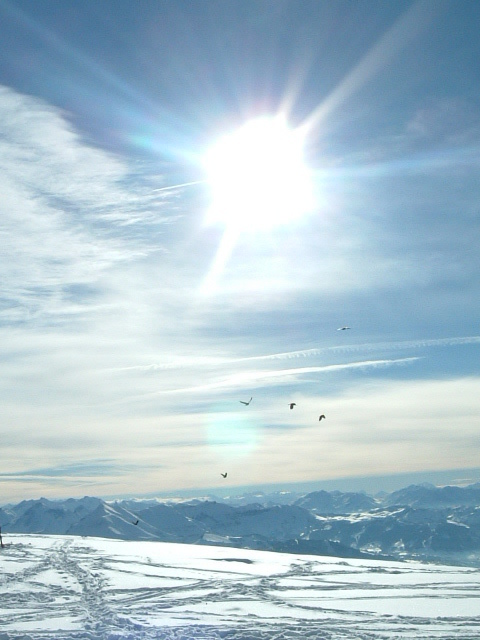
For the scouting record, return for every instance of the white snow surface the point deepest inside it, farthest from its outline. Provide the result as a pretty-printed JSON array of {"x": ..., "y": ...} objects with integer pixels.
[{"x": 72, "y": 588}]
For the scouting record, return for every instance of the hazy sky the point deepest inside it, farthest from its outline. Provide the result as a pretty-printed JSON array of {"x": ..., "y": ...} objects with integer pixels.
[{"x": 132, "y": 323}]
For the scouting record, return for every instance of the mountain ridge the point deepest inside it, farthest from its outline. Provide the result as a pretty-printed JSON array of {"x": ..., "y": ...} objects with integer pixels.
[{"x": 418, "y": 522}]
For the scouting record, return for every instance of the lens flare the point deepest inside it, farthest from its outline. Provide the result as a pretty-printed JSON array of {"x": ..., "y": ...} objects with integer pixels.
[{"x": 232, "y": 436}]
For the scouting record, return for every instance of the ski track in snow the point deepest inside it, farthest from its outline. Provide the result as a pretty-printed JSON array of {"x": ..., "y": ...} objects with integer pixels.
[{"x": 72, "y": 588}]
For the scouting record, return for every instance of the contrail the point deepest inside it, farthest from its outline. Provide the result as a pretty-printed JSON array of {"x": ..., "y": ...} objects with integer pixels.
[
  {"x": 190, "y": 362},
  {"x": 240, "y": 379},
  {"x": 178, "y": 186},
  {"x": 375, "y": 346}
]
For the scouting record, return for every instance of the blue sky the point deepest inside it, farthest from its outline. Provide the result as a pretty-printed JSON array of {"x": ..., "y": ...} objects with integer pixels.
[{"x": 120, "y": 371}]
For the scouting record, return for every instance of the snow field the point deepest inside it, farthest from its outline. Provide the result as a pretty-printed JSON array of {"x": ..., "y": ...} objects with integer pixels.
[{"x": 72, "y": 588}]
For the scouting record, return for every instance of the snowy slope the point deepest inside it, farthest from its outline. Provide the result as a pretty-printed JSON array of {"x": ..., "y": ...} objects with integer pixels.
[{"x": 72, "y": 588}]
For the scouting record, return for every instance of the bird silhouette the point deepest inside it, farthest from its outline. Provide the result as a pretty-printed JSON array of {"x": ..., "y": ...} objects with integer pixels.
[
  {"x": 224, "y": 475},
  {"x": 247, "y": 403},
  {"x": 322, "y": 416},
  {"x": 343, "y": 328},
  {"x": 292, "y": 404},
  {"x": 136, "y": 522}
]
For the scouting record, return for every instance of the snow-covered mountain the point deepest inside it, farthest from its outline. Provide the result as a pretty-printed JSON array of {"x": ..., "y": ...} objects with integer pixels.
[
  {"x": 336, "y": 502},
  {"x": 430, "y": 497},
  {"x": 420, "y": 522}
]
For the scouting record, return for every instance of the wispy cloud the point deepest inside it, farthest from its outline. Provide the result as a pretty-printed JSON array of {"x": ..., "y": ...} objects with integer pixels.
[
  {"x": 257, "y": 378},
  {"x": 451, "y": 120},
  {"x": 64, "y": 209}
]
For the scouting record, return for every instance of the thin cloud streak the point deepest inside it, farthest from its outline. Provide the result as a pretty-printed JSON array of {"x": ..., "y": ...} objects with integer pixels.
[{"x": 76, "y": 472}]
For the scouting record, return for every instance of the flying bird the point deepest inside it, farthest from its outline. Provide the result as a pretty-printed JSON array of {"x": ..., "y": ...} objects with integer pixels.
[
  {"x": 135, "y": 522},
  {"x": 322, "y": 416},
  {"x": 247, "y": 403},
  {"x": 224, "y": 475},
  {"x": 292, "y": 404},
  {"x": 343, "y": 328}
]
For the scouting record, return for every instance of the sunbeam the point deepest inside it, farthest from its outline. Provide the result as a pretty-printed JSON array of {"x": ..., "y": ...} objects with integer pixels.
[
  {"x": 224, "y": 251},
  {"x": 398, "y": 36}
]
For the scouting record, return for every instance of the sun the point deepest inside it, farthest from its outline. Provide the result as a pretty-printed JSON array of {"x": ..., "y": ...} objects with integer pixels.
[{"x": 258, "y": 176}]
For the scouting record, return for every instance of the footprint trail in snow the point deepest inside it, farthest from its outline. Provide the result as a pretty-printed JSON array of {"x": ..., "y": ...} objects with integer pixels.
[{"x": 69, "y": 588}]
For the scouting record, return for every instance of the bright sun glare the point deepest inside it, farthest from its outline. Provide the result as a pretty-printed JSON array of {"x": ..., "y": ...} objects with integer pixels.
[{"x": 258, "y": 176}]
